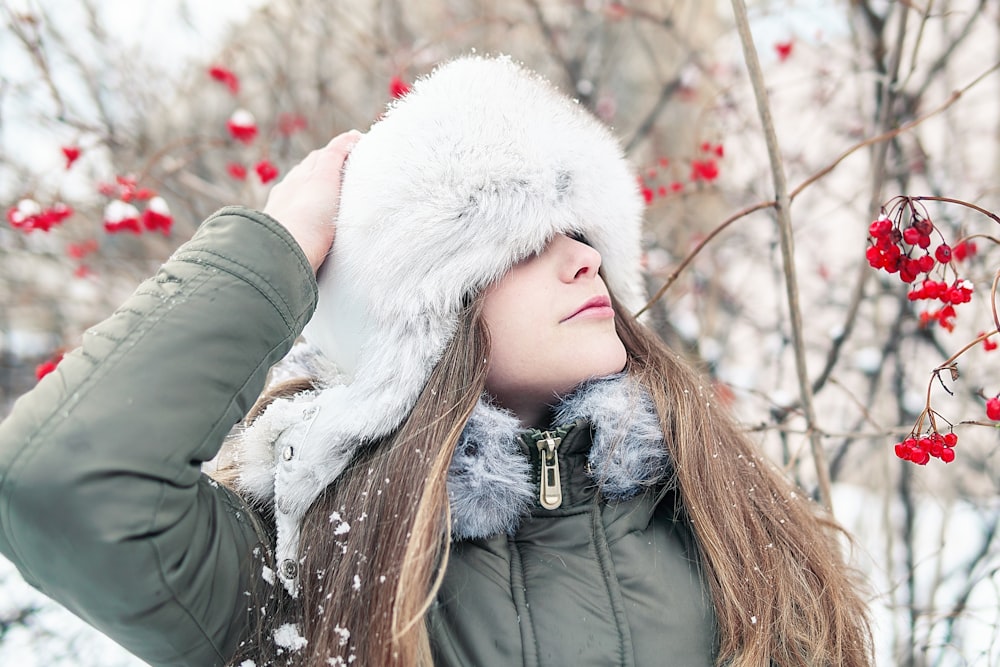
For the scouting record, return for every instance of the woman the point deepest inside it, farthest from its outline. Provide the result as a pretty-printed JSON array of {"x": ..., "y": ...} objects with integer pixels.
[{"x": 489, "y": 461}]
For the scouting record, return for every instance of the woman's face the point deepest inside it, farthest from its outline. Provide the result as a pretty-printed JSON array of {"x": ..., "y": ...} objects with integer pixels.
[{"x": 551, "y": 327}]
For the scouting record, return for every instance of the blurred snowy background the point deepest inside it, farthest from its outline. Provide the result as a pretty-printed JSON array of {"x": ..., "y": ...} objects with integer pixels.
[{"x": 143, "y": 91}]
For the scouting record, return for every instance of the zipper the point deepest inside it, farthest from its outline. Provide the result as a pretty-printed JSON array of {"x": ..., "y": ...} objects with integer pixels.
[{"x": 550, "y": 483}]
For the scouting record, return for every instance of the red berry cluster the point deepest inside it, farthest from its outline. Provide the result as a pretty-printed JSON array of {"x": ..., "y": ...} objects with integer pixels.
[
  {"x": 888, "y": 251},
  {"x": 958, "y": 292},
  {"x": 266, "y": 171},
  {"x": 964, "y": 250},
  {"x": 28, "y": 215},
  {"x": 703, "y": 169},
  {"x": 920, "y": 449},
  {"x": 121, "y": 214},
  {"x": 126, "y": 189},
  {"x": 905, "y": 249},
  {"x": 242, "y": 126},
  {"x": 649, "y": 187}
]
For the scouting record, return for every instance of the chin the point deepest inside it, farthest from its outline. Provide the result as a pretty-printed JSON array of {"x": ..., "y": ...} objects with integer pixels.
[{"x": 609, "y": 367}]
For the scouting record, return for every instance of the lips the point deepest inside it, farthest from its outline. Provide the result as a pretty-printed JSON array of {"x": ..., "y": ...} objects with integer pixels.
[{"x": 598, "y": 305}]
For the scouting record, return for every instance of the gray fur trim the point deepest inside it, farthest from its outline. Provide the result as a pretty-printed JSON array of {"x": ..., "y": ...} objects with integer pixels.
[
  {"x": 490, "y": 483},
  {"x": 628, "y": 452},
  {"x": 304, "y": 360}
]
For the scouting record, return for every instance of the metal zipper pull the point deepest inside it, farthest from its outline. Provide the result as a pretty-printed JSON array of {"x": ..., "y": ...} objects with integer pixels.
[{"x": 550, "y": 487}]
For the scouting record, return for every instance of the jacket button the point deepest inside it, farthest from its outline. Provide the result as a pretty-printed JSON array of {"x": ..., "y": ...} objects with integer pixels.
[
  {"x": 288, "y": 453},
  {"x": 288, "y": 568}
]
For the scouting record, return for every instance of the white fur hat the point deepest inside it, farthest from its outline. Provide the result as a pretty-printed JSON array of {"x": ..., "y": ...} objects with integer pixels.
[{"x": 472, "y": 171}]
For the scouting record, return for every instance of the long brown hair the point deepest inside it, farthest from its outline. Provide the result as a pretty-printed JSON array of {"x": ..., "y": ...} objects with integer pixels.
[
  {"x": 771, "y": 559},
  {"x": 375, "y": 543}
]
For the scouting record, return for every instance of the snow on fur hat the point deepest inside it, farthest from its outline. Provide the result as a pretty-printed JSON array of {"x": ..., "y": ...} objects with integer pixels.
[{"x": 477, "y": 168}]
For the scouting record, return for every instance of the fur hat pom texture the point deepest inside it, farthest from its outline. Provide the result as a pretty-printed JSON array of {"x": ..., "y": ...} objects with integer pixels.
[{"x": 475, "y": 169}]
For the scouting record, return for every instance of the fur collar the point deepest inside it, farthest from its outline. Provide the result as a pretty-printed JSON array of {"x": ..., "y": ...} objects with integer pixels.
[{"x": 490, "y": 480}]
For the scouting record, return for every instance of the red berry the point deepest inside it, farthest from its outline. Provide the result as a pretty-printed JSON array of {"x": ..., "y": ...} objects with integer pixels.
[
  {"x": 926, "y": 264},
  {"x": 902, "y": 451},
  {"x": 237, "y": 171},
  {"x": 881, "y": 227},
  {"x": 948, "y": 455},
  {"x": 993, "y": 408},
  {"x": 784, "y": 49},
  {"x": 964, "y": 250},
  {"x": 933, "y": 288},
  {"x": 875, "y": 258},
  {"x": 71, "y": 153},
  {"x": 924, "y": 241},
  {"x": 943, "y": 253},
  {"x": 225, "y": 76},
  {"x": 911, "y": 235},
  {"x": 398, "y": 87},
  {"x": 266, "y": 171},
  {"x": 950, "y": 439},
  {"x": 242, "y": 126},
  {"x": 924, "y": 226}
]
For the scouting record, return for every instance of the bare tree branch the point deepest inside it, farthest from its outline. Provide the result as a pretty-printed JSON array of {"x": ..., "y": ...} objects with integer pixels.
[{"x": 783, "y": 203}]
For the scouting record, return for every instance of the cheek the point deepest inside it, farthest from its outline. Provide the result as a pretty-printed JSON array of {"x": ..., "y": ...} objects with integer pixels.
[{"x": 514, "y": 357}]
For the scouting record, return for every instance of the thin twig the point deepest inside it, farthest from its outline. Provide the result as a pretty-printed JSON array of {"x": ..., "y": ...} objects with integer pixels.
[
  {"x": 783, "y": 201},
  {"x": 961, "y": 202},
  {"x": 698, "y": 248},
  {"x": 945, "y": 57},
  {"x": 891, "y": 134},
  {"x": 666, "y": 94}
]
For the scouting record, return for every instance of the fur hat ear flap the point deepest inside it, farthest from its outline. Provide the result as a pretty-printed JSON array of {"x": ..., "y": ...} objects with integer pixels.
[{"x": 475, "y": 169}]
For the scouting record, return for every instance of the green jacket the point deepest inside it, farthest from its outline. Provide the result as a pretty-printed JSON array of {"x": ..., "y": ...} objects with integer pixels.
[
  {"x": 103, "y": 505},
  {"x": 591, "y": 583}
]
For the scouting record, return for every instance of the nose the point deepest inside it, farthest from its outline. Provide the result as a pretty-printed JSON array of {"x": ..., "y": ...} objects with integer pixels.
[{"x": 579, "y": 260}]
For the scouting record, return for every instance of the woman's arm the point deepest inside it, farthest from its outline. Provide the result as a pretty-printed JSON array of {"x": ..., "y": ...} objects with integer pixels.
[{"x": 103, "y": 505}]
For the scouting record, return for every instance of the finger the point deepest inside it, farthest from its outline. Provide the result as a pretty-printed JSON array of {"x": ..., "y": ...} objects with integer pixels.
[
  {"x": 345, "y": 138},
  {"x": 340, "y": 146}
]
